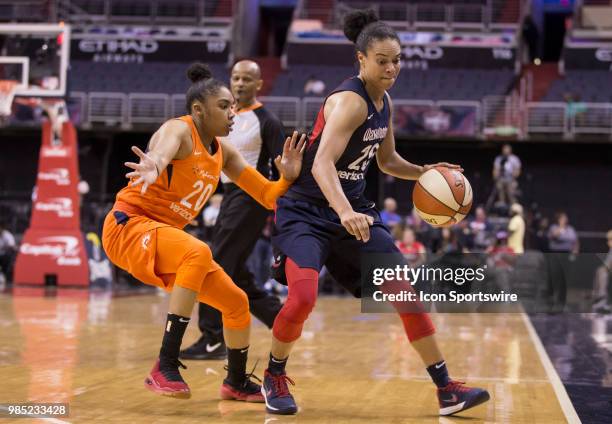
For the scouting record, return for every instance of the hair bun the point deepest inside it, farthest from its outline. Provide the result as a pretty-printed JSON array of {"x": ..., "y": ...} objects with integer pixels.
[
  {"x": 198, "y": 72},
  {"x": 356, "y": 21}
]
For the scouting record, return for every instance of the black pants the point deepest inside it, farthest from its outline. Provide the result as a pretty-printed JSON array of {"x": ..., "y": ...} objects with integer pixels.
[
  {"x": 6, "y": 265},
  {"x": 239, "y": 224},
  {"x": 558, "y": 264}
]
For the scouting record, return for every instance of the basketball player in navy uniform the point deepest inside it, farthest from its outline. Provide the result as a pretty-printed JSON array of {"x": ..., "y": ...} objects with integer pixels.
[
  {"x": 258, "y": 136},
  {"x": 325, "y": 219}
]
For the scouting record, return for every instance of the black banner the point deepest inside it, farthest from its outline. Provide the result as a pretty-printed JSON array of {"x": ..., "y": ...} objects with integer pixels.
[
  {"x": 125, "y": 50},
  {"x": 413, "y": 57},
  {"x": 496, "y": 281},
  {"x": 593, "y": 58}
]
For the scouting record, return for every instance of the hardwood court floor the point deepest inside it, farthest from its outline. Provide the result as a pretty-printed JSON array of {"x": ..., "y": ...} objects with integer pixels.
[{"x": 93, "y": 351}]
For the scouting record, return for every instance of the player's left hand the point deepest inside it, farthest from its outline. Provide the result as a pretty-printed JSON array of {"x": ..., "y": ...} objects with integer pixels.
[
  {"x": 443, "y": 165},
  {"x": 290, "y": 164},
  {"x": 145, "y": 172}
]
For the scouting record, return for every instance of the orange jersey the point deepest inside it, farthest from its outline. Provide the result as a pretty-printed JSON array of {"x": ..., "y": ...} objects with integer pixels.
[{"x": 181, "y": 190}]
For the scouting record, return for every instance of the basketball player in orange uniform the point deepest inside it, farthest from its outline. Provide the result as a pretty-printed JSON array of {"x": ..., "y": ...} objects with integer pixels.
[{"x": 169, "y": 186}]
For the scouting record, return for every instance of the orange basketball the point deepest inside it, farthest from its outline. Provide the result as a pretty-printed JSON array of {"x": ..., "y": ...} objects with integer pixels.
[{"x": 442, "y": 197}]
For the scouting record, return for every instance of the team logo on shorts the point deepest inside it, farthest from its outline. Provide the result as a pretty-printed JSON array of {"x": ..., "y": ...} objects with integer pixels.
[{"x": 144, "y": 242}]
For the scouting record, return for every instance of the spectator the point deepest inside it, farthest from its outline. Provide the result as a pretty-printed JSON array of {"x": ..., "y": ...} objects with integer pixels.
[
  {"x": 389, "y": 215},
  {"x": 575, "y": 107},
  {"x": 516, "y": 228},
  {"x": 530, "y": 34},
  {"x": 480, "y": 230},
  {"x": 541, "y": 236},
  {"x": 314, "y": 87},
  {"x": 413, "y": 251},
  {"x": 8, "y": 248},
  {"x": 506, "y": 170},
  {"x": 601, "y": 300},
  {"x": 425, "y": 233},
  {"x": 500, "y": 261},
  {"x": 450, "y": 242},
  {"x": 501, "y": 255},
  {"x": 562, "y": 241}
]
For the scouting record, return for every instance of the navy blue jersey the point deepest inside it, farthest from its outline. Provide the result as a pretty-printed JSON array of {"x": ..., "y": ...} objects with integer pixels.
[{"x": 361, "y": 149}]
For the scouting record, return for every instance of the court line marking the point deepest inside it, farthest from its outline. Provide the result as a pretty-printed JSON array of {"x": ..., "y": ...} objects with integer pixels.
[
  {"x": 566, "y": 404},
  {"x": 471, "y": 377}
]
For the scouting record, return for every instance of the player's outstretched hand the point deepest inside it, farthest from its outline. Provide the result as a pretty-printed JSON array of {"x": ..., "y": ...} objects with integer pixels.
[
  {"x": 290, "y": 164},
  {"x": 443, "y": 165},
  {"x": 145, "y": 172},
  {"x": 357, "y": 224}
]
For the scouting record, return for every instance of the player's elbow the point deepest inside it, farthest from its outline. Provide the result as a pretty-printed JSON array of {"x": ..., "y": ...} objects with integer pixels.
[{"x": 384, "y": 164}]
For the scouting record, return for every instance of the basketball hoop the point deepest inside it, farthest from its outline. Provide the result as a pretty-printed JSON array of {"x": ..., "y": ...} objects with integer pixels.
[{"x": 7, "y": 93}]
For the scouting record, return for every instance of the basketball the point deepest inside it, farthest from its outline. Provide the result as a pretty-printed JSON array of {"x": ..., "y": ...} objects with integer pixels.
[{"x": 442, "y": 197}]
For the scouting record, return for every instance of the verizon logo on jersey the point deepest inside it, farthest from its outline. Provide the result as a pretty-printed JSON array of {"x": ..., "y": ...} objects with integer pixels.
[{"x": 377, "y": 134}]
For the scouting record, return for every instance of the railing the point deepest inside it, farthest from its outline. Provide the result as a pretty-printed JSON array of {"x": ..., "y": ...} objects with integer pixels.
[
  {"x": 497, "y": 113},
  {"x": 310, "y": 108},
  {"x": 147, "y": 108},
  {"x": 25, "y": 11},
  {"x": 286, "y": 108},
  {"x": 107, "y": 108},
  {"x": 568, "y": 119},
  {"x": 549, "y": 117},
  {"x": 494, "y": 115},
  {"x": 411, "y": 15},
  {"x": 590, "y": 118},
  {"x": 146, "y": 12}
]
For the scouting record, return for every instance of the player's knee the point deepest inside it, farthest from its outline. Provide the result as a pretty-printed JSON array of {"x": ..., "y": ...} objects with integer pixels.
[
  {"x": 236, "y": 315},
  {"x": 199, "y": 255},
  {"x": 298, "y": 306},
  {"x": 417, "y": 326},
  {"x": 303, "y": 286}
]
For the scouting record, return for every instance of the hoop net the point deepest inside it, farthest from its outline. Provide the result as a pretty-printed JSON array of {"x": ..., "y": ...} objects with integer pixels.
[{"x": 7, "y": 94}]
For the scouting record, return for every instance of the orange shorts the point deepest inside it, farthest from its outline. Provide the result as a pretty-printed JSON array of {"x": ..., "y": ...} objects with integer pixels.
[{"x": 162, "y": 255}]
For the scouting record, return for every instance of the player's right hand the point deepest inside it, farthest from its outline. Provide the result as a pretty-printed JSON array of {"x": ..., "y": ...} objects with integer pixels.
[
  {"x": 145, "y": 171},
  {"x": 357, "y": 224}
]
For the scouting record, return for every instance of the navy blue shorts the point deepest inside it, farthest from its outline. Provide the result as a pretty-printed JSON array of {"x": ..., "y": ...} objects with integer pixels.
[{"x": 312, "y": 236}]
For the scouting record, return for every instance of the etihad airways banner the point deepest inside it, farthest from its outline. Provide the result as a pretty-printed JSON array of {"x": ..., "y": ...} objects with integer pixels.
[
  {"x": 413, "y": 56},
  {"x": 139, "y": 50}
]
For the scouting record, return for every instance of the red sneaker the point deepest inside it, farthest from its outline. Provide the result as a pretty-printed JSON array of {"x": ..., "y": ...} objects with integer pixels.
[
  {"x": 248, "y": 391},
  {"x": 168, "y": 382}
]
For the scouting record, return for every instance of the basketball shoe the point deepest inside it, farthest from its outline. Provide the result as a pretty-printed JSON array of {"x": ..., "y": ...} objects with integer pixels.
[
  {"x": 456, "y": 397},
  {"x": 276, "y": 394},
  {"x": 205, "y": 349},
  {"x": 247, "y": 391},
  {"x": 168, "y": 381}
]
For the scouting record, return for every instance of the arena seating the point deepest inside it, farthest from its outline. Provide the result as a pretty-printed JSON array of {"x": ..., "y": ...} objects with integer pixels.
[
  {"x": 152, "y": 77},
  {"x": 162, "y": 8},
  {"x": 585, "y": 83},
  {"x": 422, "y": 12}
]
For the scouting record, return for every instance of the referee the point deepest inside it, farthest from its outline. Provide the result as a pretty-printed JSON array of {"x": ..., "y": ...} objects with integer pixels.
[{"x": 258, "y": 135}]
